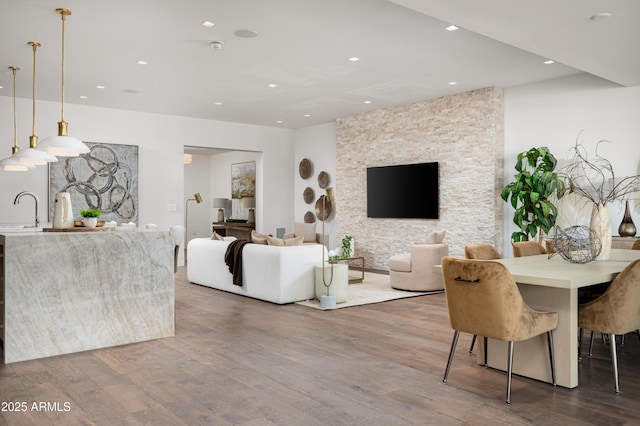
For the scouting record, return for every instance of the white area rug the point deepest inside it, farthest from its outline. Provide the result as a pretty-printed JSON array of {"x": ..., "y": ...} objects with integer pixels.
[{"x": 374, "y": 289}]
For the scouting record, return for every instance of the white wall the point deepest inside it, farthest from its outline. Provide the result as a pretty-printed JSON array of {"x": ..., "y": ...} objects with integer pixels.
[
  {"x": 552, "y": 114},
  {"x": 318, "y": 144},
  {"x": 197, "y": 180},
  {"x": 161, "y": 140}
]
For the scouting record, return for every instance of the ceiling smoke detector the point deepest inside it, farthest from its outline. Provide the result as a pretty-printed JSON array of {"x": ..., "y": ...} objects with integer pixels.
[{"x": 217, "y": 45}]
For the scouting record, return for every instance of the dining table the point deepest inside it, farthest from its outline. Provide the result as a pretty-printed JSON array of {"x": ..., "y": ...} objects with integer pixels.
[{"x": 550, "y": 283}]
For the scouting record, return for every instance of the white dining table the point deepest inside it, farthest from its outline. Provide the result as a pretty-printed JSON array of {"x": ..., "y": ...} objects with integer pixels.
[{"x": 551, "y": 284}]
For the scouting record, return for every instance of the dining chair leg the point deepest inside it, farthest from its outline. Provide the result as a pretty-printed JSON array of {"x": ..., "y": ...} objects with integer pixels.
[
  {"x": 551, "y": 357},
  {"x": 591, "y": 345},
  {"x": 614, "y": 360},
  {"x": 486, "y": 341},
  {"x": 509, "y": 371},
  {"x": 580, "y": 338},
  {"x": 473, "y": 342},
  {"x": 622, "y": 340},
  {"x": 456, "y": 334}
]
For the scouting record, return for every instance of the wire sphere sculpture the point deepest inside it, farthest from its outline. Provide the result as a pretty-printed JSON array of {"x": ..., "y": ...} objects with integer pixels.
[{"x": 577, "y": 244}]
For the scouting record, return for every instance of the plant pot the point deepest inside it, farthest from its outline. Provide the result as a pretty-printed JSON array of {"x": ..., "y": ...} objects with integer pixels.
[{"x": 90, "y": 222}]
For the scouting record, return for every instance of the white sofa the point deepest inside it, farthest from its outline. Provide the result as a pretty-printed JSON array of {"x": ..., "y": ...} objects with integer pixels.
[{"x": 275, "y": 274}]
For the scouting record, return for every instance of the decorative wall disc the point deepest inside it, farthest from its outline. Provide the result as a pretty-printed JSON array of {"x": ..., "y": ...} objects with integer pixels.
[
  {"x": 309, "y": 217},
  {"x": 308, "y": 195},
  {"x": 323, "y": 180},
  {"x": 305, "y": 168},
  {"x": 323, "y": 213}
]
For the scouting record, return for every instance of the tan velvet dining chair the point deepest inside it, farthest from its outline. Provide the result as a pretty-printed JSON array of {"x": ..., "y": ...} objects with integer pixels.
[
  {"x": 528, "y": 248},
  {"x": 616, "y": 312},
  {"x": 483, "y": 299},
  {"x": 636, "y": 245},
  {"x": 480, "y": 252}
]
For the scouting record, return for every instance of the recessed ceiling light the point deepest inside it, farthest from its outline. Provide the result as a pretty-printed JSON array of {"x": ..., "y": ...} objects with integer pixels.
[
  {"x": 244, "y": 33},
  {"x": 142, "y": 62},
  {"x": 307, "y": 115},
  {"x": 549, "y": 62},
  {"x": 1, "y": 87},
  {"x": 83, "y": 97},
  {"x": 207, "y": 24},
  {"x": 366, "y": 102},
  {"x": 279, "y": 121},
  {"x": 99, "y": 87},
  {"x": 217, "y": 103},
  {"x": 451, "y": 28},
  {"x": 132, "y": 91},
  {"x": 453, "y": 83},
  {"x": 601, "y": 16},
  {"x": 354, "y": 59},
  {"x": 272, "y": 85}
]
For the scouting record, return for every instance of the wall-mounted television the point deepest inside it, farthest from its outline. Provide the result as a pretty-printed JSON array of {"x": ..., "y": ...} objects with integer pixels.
[{"x": 408, "y": 191}]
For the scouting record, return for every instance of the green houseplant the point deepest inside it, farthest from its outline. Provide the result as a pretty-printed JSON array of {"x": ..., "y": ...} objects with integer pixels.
[
  {"x": 346, "y": 246},
  {"x": 90, "y": 217},
  {"x": 530, "y": 192}
]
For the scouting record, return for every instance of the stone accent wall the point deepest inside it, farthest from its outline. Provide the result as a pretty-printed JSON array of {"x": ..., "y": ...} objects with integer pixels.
[{"x": 464, "y": 133}]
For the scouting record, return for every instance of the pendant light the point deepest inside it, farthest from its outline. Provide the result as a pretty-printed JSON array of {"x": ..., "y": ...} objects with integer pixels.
[
  {"x": 63, "y": 145},
  {"x": 10, "y": 163},
  {"x": 32, "y": 155}
]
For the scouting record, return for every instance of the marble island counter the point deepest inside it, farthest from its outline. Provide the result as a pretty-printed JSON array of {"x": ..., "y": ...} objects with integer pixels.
[{"x": 69, "y": 292}]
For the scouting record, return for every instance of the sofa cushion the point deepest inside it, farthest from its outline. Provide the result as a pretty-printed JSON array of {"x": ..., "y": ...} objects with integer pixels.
[
  {"x": 216, "y": 236},
  {"x": 400, "y": 262},
  {"x": 305, "y": 230},
  {"x": 436, "y": 237},
  {"x": 258, "y": 238},
  {"x": 273, "y": 241}
]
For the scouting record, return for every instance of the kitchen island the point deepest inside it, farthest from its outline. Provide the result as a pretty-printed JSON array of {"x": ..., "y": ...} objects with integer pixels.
[{"x": 68, "y": 292}]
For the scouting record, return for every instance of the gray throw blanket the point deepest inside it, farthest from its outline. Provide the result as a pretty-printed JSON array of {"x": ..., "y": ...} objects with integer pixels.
[{"x": 233, "y": 259}]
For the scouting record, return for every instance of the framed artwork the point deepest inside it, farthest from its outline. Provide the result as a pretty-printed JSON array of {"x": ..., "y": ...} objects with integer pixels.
[
  {"x": 106, "y": 178},
  {"x": 243, "y": 189}
]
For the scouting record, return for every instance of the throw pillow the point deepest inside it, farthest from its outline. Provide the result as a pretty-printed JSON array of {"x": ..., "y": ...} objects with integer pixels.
[
  {"x": 258, "y": 238},
  {"x": 279, "y": 242},
  {"x": 305, "y": 230},
  {"x": 436, "y": 237},
  {"x": 216, "y": 236}
]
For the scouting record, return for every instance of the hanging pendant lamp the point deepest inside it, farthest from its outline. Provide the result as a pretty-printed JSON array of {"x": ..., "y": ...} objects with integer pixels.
[
  {"x": 32, "y": 155},
  {"x": 63, "y": 145},
  {"x": 10, "y": 163}
]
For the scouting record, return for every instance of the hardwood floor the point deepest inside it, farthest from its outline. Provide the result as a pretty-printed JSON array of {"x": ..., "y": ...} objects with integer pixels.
[{"x": 239, "y": 361}]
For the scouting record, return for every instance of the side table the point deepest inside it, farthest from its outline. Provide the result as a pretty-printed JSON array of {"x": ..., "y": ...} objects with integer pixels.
[{"x": 352, "y": 279}]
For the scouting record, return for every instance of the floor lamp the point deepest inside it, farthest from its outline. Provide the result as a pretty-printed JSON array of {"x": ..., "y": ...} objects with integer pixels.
[
  {"x": 329, "y": 198},
  {"x": 198, "y": 199}
]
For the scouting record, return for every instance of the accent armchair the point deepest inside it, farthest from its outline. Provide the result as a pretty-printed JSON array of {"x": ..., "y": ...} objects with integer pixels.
[
  {"x": 483, "y": 299},
  {"x": 413, "y": 271}
]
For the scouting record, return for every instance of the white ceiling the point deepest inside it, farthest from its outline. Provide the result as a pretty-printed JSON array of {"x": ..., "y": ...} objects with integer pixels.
[{"x": 303, "y": 46}]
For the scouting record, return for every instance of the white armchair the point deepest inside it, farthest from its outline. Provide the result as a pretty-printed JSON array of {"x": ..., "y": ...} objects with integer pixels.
[{"x": 413, "y": 271}]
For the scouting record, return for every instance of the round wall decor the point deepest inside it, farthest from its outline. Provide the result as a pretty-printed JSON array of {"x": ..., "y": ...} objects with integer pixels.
[
  {"x": 305, "y": 168},
  {"x": 323, "y": 180},
  {"x": 308, "y": 195},
  {"x": 309, "y": 217},
  {"x": 323, "y": 213}
]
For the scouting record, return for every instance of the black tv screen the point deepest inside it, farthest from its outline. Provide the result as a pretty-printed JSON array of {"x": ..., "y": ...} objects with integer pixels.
[{"x": 407, "y": 191}]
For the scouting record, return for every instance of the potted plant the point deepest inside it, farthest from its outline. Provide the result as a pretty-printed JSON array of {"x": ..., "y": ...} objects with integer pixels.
[
  {"x": 90, "y": 217},
  {"x": 530, "y": 193},
  {"x": 347, "y": 246}
]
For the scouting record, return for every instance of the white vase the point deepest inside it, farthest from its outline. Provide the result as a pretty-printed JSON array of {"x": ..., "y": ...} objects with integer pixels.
[
  {"x": 601, "y": 225},
  {"x": 63, "y": 211}
]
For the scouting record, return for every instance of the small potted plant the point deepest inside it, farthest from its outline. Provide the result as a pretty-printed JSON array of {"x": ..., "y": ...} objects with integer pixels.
[{"x": 90, "y": 217}]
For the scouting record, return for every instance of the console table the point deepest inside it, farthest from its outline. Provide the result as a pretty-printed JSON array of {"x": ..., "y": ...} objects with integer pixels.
[{"x": 240, "y": 230}]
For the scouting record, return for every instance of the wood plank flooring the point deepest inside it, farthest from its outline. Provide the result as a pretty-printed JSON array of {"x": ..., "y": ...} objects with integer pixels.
[{"x": 239, "y": 361}]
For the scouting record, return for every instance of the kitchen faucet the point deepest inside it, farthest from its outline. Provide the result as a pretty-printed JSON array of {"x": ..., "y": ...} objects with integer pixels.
[{"x": 35, "y": 197}]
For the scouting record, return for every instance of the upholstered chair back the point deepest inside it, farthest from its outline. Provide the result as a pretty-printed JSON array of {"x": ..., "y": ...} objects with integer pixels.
[
  {"x": 483, "y": 299},
  {"x": 617, "y": 311},
  {"x": 528, "y": 248},
  {"x": 481, "y": 251},
  {"x": 636, "y": 245}
]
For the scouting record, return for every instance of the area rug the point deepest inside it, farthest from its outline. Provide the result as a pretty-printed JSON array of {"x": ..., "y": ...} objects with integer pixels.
[{"x": 375, "y": 288}]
